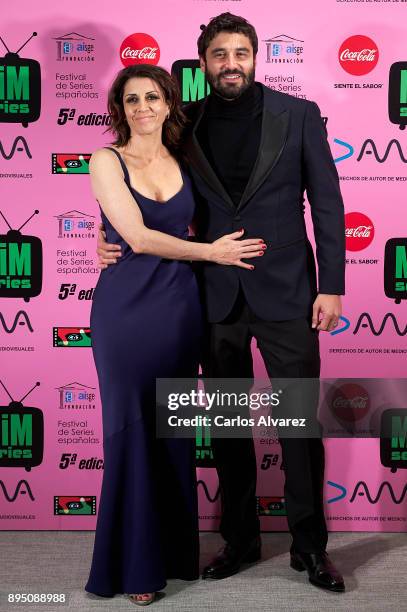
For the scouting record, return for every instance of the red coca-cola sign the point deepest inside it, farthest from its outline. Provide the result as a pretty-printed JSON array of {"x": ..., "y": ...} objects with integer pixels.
[
  {"x": 358, "y": 55},
  {"x": 139, "y": 49},
  {"x": 359, "y": 231},
  {"x": 350, "y": 402}
]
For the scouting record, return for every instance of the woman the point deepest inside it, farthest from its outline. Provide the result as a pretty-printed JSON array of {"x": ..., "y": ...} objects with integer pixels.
[{"x": 146, "y": 324}]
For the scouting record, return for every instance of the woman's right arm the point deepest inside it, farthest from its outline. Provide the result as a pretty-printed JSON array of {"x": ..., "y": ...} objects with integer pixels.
[{"x": 121, "y": 209}]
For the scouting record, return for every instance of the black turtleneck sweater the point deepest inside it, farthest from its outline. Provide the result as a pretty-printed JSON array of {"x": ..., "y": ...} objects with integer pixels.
[{"x": 229, "y": 134}]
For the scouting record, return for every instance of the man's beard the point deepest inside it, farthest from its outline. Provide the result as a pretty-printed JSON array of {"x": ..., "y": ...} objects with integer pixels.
[{"x": 229, "y": 91}]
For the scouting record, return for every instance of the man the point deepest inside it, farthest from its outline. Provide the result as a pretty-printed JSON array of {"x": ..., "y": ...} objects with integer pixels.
[{"x": 252, "y": 153}]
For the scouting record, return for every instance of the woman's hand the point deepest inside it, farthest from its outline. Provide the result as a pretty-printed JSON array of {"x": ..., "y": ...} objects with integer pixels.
[
  {"x": 108, "y": 253},
  {"x": 229, "y": 251}
]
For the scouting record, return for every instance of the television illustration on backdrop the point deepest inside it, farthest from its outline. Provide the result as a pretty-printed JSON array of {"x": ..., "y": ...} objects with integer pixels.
[{"x": 20, "y": 87}]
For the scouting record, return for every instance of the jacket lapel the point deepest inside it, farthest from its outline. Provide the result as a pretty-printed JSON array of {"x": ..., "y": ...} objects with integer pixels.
[
  {"x": 200, "y": 163},
  {"x": 273, "y": 137}
]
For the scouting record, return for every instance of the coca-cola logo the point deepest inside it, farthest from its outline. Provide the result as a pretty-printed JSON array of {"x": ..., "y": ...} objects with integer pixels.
[
  {"x": 359, "y": 231},
  {"x": 139, "y": 49},
  {"x": 350, "y": 402},
  {"x": 358, "y": 55}
]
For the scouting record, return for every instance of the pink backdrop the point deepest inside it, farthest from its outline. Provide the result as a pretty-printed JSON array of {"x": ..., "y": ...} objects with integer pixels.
[{"x": 299, "y": 45}]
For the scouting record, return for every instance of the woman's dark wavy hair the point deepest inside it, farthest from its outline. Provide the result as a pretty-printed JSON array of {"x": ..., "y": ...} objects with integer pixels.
[
  {"x": 172, "y": 127},
  {"x": 226, "y": 22}
]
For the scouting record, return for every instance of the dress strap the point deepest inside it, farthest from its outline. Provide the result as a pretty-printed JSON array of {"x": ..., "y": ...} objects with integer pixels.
[{"x": 123, "y": 165}]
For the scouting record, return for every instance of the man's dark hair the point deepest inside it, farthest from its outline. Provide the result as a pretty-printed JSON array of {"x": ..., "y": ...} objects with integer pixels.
[{"x": 226, "y": 22}]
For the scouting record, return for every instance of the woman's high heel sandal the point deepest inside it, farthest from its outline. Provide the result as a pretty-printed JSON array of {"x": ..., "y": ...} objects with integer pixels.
[{"x": 142, "y": 599}]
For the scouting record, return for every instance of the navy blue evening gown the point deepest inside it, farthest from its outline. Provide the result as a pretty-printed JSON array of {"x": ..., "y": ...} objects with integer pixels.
[{"x": 146, "y": 323}]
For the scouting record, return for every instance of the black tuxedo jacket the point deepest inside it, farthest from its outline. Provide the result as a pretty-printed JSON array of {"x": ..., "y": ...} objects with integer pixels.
[{"x": 293, "y": 156}]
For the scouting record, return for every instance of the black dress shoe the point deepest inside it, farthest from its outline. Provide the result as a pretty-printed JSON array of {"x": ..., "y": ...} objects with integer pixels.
[
  {"x": 229, "y": 559},
  {"x": 321, "y": 570}
]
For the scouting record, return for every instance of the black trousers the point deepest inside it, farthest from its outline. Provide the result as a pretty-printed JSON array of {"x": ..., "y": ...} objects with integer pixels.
[{"x": 290, "y": 349}]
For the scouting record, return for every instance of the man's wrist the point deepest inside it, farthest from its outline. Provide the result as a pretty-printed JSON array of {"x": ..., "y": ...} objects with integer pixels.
[{"x": 209, "y": 252}]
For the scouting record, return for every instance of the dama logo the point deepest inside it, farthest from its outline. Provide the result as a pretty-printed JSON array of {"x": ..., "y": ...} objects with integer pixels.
[
  {"x": 20, "y": 87},
  {"x": 15, "y": 147},
  {"x": 369, "y": 148},
  {"x": 192, "y": 81},
  {"x": 21, "y": 434},
  {"x": 395, "y": 269},
  {"x": 22, "y": 488},
  {"x": 373, "y": 151},
  {"x": 20, "y": 263},
  {"x": 365, "y": 322},
  {"x": 398, "y": 94},
  {"x": 25, "y": 321},
  {"x": 201, "y": 484},
  {"x": 348, "y": 153},
  {"x": 362, "y": 490}
]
